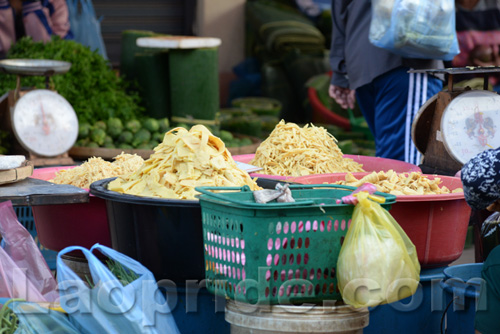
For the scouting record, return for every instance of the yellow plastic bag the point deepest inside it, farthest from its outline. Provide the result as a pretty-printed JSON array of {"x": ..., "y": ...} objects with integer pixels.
[{"x": 377, "y": 263}]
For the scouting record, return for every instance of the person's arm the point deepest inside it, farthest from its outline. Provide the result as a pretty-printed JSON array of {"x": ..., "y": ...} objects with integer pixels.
[
  {"x": 7, "y": 27},
  {"x": 481, "y": 179},
  {"x": 36, "y": 21},
  {"x": 337, "y": 48},
  {"x": 43, "y": 19},
  {"x": 59, "y": 17},
  {"x": 339, "y": 86}
]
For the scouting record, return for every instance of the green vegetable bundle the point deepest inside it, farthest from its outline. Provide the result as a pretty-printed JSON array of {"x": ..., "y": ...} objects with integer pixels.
[
  {"x": 8, "y": 319},
  {"x": 90, "y": 86}
]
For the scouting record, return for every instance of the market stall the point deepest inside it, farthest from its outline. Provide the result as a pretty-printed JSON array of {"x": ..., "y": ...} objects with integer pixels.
[{"x": 264, "y": 235}]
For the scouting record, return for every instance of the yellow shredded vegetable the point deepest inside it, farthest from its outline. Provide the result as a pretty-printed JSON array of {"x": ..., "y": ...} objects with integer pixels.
[
  {"x": 95, "y": 169},
  {"x": 399, "y": 184},
  {"x": 294, "y": 151},
  {"x": 184, "y": 160}
]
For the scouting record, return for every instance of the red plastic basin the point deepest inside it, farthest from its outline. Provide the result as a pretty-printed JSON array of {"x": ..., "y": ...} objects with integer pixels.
[
  {"x": 436, "y": 224},
  {"x": 370, "y": 164},
  {"x": 63, "y": 225}
]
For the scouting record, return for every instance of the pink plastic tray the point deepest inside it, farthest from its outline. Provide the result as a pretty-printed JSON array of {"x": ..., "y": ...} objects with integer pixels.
[
  {"x": 370, "y": 164},
  {"x": 436, "y": 224},
  {"x": 80, "y": 224}
]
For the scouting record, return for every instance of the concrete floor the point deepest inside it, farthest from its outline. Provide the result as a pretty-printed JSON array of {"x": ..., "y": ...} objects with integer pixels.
[{"x": 467, "y": 256}]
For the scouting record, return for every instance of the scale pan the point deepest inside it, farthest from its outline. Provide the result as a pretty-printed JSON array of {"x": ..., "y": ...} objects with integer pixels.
[{"x": 42, "y": 67}]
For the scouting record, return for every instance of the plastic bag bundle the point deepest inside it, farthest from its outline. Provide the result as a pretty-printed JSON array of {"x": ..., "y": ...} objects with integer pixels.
[
  {"x": 377, "y": 263},
  {"x": 415, "y": 28},
  {"x": 110, "y": 306},
  {"x": 281, "y": 194},
  {"x": 23, "y": 270},
  {"x": 37, "y": 319},
  {"x": 85, "y": 26}
]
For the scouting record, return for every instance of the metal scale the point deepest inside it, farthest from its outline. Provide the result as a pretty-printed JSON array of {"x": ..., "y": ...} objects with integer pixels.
[
  {"x": 455, "y": 125},
  {"x": 43, "y": 122}
]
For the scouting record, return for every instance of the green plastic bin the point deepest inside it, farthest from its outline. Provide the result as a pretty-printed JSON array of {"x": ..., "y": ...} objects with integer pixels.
[{"x": 275, "y": 253}]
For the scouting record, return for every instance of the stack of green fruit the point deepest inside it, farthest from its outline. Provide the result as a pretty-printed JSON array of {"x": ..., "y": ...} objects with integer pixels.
[
  {"x": 256, "y": 110},
  {"x": 145, "y": 134},
  {"x": 351, "y": 142},
  {"x": 231, "y": 141},
  {"x": 242, "y": 121}
]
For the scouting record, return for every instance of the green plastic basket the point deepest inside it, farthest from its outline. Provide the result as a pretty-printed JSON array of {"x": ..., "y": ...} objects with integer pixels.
[{"x": 275, "y": 253}]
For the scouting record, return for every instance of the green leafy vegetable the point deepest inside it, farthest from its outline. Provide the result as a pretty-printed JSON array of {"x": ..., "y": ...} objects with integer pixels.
[
  {"x": 123, "y": 274},
  {"x": 90, "y": 86},
  {"x": 8, "y": 319}
]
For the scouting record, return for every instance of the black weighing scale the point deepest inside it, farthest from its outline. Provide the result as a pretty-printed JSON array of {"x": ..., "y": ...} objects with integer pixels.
[
  {"x": 455, "y": 125},
  {"x": 43, "y": 122}
]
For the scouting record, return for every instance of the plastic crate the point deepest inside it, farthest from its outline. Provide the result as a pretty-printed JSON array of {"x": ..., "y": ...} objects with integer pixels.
[
  {"x": 25, "y": 217},
  {"x": 275, "y": 253}
]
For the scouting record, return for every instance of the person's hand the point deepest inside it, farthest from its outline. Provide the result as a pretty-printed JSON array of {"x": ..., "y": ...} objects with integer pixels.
[
  {"x": 345, "y": 97},
  {"x": 485, "y": 55},
  {"x": 495, "y": 206}
]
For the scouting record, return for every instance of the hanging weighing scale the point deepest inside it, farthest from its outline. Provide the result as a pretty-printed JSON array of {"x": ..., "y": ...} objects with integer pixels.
[
  {"x": 43, "y": 122},
  {"x": 455, "y": 125}
]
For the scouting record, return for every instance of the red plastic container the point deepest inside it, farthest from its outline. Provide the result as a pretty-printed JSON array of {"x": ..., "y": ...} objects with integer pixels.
[
  {"x": 436, "y": 224},
  {"x": 62, "y": 225},
  {"x": 370, "y": 164}
]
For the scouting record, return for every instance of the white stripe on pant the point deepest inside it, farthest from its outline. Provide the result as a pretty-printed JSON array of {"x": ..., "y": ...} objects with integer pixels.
[{"x": 417, "y": 95}]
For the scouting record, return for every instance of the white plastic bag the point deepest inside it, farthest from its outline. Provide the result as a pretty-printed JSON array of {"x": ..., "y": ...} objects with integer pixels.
[
  {"x": 109, "y": 306},
  {"x": 415, "y": 28}
]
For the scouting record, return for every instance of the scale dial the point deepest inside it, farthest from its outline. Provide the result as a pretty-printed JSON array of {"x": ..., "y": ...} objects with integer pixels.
[
  {"x": 45, "y": 123},
  {"x": 469, "y": 124}
]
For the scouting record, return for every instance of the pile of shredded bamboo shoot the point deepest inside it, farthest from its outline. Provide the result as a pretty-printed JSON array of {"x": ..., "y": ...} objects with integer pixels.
[
  {"x": 184, "y": 160},
  {"x": 413, "y": 183},
  {"x": 95, "y": 169},
  {"x": 294, "y": 151}
]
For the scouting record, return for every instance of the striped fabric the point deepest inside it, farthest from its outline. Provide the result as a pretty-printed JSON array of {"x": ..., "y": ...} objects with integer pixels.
[
  {"x": 7, "y": 27},
  {"x": 417, "y": 96},
  {"x": 40, "y": 20},
  {"x": 478, "y": 29},
  {"x": 390, "y": 104}
]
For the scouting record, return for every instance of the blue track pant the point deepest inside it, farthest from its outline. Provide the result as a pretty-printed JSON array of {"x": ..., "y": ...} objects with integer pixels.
[{"x": 389, "y": 104}]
